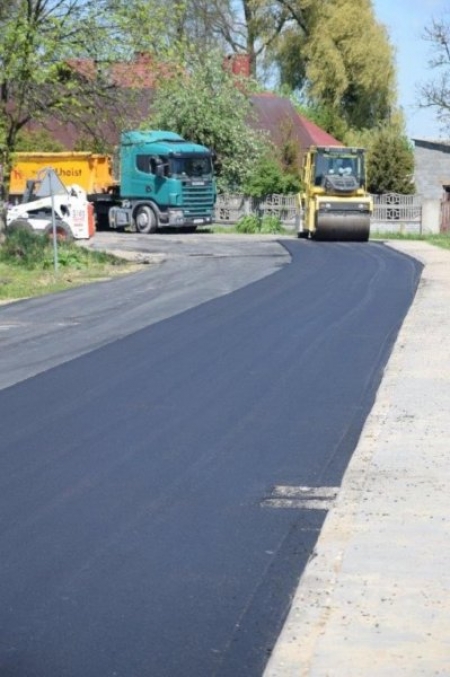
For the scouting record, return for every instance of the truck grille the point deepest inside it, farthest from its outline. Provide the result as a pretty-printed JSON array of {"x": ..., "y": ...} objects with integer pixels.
[{"x": 198, "y": 198}]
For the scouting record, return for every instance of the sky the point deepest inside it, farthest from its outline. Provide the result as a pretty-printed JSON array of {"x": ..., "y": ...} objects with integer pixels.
[{"x": 405, "y": 21}]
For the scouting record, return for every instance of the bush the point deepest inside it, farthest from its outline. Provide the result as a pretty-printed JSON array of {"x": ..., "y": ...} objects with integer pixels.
[
  {"x": 252, "y": 224},
  {"x": 268, "y": 178},
  {"x": 390, "y": 158},
  {"x": 24, "y": 248},
  {"x": 390, "y": 162},
  {"x": 271, "y": 224},
  {"x": 249, "y": 224}
]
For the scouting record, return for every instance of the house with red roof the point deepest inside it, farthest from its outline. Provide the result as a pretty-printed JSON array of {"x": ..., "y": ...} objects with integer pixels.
[{"x": 136, "y": 82}]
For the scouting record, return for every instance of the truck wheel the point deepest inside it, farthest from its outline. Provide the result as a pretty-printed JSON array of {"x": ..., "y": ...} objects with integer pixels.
[
  {"x": 145, "y": 220},
  {"x": 63, "y": 232}
]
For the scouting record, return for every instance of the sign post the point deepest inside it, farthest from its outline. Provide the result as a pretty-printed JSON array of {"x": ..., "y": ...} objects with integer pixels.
[{"x": 50, "y": 185}]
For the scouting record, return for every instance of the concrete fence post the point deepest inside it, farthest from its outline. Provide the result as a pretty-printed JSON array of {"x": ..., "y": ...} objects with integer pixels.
[{"x": 431, "y": 216}]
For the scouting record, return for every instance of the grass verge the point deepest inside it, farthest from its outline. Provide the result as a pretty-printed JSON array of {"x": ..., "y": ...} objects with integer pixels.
[
  {"x": 27, "y": 266},
  {"x": 439, "y": 240}
]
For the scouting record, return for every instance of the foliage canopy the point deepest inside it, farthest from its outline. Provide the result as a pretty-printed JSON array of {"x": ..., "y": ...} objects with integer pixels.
[
  {"x": 349, "y": 63},
  {"x": 42, "y": 44},
  {"x": 390, "y": 162},
  {"x": 389, "y": 159},
  {"x": 205, "y": 103}
]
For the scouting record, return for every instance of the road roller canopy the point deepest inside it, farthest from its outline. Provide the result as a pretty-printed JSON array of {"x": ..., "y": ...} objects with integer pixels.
[{"x": 338, "y": 161}]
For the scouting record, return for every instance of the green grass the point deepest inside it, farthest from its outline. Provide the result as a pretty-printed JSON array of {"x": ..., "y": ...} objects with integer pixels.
[
  {"x": 27, "y": 266},
  {"x": 233, "y": 230},
  {"x": 439, "y": 240}
]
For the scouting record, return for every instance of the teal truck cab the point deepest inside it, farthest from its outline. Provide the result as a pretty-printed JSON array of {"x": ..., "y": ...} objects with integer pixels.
[{"x": 163, "y": 181}]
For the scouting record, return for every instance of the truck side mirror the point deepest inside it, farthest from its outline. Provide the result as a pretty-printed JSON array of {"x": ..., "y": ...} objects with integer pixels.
[{"x": 160, "y": 170}]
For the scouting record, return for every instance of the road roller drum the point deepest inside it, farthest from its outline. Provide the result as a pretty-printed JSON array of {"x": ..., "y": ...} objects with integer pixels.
[{"x": 345, "y": 225}]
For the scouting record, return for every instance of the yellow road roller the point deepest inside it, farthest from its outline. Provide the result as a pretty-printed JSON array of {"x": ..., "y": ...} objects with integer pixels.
[{"x": 335, "y": 204}]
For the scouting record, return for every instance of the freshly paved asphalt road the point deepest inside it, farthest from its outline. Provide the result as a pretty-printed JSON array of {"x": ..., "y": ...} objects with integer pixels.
[
  {"x": 184, "y": 272},
  {"x": 139, "y": 527},
  {"x": 374, "y": 600}
]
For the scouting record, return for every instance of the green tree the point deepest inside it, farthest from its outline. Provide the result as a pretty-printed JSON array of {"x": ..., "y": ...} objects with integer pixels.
[
  {"x": 342, "y": 63},
  {"x": 268, "y": 178},
  {"x": 206, "y": 104},
  {"x": 334, "y": 51},
  {"x": 390, "y": 157},
  {"x": 350, "y": 63},
  {"x": 288, "y": 56},
  {"x": 57, "y": 59},
  {"x": 37, "y": 141},
  {"x": 390, "y": 162}
]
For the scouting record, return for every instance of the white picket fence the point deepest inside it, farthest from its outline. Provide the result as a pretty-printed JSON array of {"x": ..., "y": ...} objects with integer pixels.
[
  {"x": 397, "y": 213},
  {"x": 230, "y": 208},
  {"x": 392, "y": 212}
]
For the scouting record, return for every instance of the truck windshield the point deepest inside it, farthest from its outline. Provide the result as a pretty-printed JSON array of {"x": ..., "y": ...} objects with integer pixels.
[
  {"x": 340, "y": 164},
  {"x": 191, "y": 166}
]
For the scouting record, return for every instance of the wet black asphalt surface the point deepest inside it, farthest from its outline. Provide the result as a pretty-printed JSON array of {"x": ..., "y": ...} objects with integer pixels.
[{"x": 134, "y": 535}]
